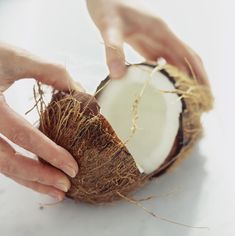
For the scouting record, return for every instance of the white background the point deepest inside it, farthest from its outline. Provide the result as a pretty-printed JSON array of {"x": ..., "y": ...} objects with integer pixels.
[{"x": 202, "y": 188}]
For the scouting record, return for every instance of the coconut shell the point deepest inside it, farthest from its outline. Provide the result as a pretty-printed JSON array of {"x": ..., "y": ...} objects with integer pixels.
[{"x": 106, "y": 168}]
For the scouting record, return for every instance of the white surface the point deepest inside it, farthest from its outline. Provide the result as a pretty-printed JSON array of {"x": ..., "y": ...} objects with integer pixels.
[{"x": 204, "y": 183}]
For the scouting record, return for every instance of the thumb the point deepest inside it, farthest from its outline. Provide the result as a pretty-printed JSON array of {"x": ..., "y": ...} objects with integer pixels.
[{"x": 113, "y": 39}]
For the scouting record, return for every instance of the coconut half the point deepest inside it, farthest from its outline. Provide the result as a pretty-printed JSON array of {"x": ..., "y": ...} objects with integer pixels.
[
  {"x": 131, "y": 130},
  {"x": 143, "y": 116}
]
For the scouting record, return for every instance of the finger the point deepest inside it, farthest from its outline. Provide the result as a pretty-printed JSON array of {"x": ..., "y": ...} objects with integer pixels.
[
  {"x": 51, "y": 74},
  {"x": 189, "y": 62},
  {"x": 152, "y": 50},
  {"x": 53, "y": 192},
  {"x": 196, "y": 66},
  {"x": 115, "y": 58},
  {"x": 31, "y": 66},
  {"x": 20, "y": 132},
  {"x": 180, "y": 55},
  {"x": 142, "y": 45},
  {"x": 16, "y": 165},
  {"x": 141, "y": 48},
  {"x": 176, "y": 52}
]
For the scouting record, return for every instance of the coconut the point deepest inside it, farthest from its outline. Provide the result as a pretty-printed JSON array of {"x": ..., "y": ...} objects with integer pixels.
[{"x": 130, "y": 131}]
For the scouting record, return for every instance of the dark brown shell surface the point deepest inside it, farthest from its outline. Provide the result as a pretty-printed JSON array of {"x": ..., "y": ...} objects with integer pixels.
[{"x": 106, "y": 168}]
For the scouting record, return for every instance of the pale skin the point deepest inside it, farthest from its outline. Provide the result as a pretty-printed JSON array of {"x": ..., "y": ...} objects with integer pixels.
[
  {"x": 118, "y": 22},
  {"x": 122, "y": 21}
]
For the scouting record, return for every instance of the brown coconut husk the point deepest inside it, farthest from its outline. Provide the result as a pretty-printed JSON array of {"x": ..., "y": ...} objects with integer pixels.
[{"x": 107, "y": 171}]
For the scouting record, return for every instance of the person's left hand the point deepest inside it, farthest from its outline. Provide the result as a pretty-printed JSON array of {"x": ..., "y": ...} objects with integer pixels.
[{"x": 16, "y": 64}]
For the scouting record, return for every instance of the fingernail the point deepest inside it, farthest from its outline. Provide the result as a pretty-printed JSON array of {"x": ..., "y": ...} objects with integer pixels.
[
  {"x": 117, "y": 69},
  {"x": 70, "y": 171},
  {"x": 62, "y": 186},
  {"x": 56, "y": 196}
]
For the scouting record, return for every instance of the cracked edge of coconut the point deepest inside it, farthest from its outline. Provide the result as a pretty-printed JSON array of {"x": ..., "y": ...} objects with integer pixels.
[{"x": 157, "y": 116}]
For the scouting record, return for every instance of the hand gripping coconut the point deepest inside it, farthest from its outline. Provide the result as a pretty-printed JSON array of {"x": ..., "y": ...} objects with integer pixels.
[{"x": 130, "y": 131}]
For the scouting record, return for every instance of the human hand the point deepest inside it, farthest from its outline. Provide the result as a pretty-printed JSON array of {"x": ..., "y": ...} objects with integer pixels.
[
  {"x": 17, "y": 64},
  {"x": 122, "y": 21}
]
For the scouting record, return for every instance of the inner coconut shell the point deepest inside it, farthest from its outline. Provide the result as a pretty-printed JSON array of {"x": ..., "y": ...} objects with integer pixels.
[{"x": 106, "y": 168}]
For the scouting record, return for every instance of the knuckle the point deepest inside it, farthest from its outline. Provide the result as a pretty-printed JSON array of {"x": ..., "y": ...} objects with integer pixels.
[
  {"x": 36, "y": 187},
  {"x": 114, "y": 50},
  {"x": 6, "y": 167},
  {"x": 155, "y": 21},
  {"x": 60, "y": 69},
  {"x": 41, "y": 174},
  {"x": 20, "y": 138},
  {"x": 104, "y": 23},
  {"x": 56, "y": 69},
  {"x": 39, "y": 178},
  {"x": 115, "y": 45}
]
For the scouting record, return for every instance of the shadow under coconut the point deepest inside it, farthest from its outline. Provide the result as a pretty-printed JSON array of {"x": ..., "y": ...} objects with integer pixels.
[{"x": 178, "y": 195}]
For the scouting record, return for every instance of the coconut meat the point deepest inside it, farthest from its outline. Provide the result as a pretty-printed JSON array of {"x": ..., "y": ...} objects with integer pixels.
[{"x": 147, "y": 124}]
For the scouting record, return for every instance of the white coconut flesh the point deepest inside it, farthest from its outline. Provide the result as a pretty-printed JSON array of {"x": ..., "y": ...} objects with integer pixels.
[{"x": 158, "y": 114}]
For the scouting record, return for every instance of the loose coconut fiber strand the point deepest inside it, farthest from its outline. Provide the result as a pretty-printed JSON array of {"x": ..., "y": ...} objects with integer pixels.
[
  {"x": 106, "y": 168},
  {"x": 135, "y": 106}
]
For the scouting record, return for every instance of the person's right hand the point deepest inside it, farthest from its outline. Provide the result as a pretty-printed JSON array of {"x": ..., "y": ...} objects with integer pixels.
[
  {"x": 17, "y": 64},
  {"x": 122, "y": 21}
]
